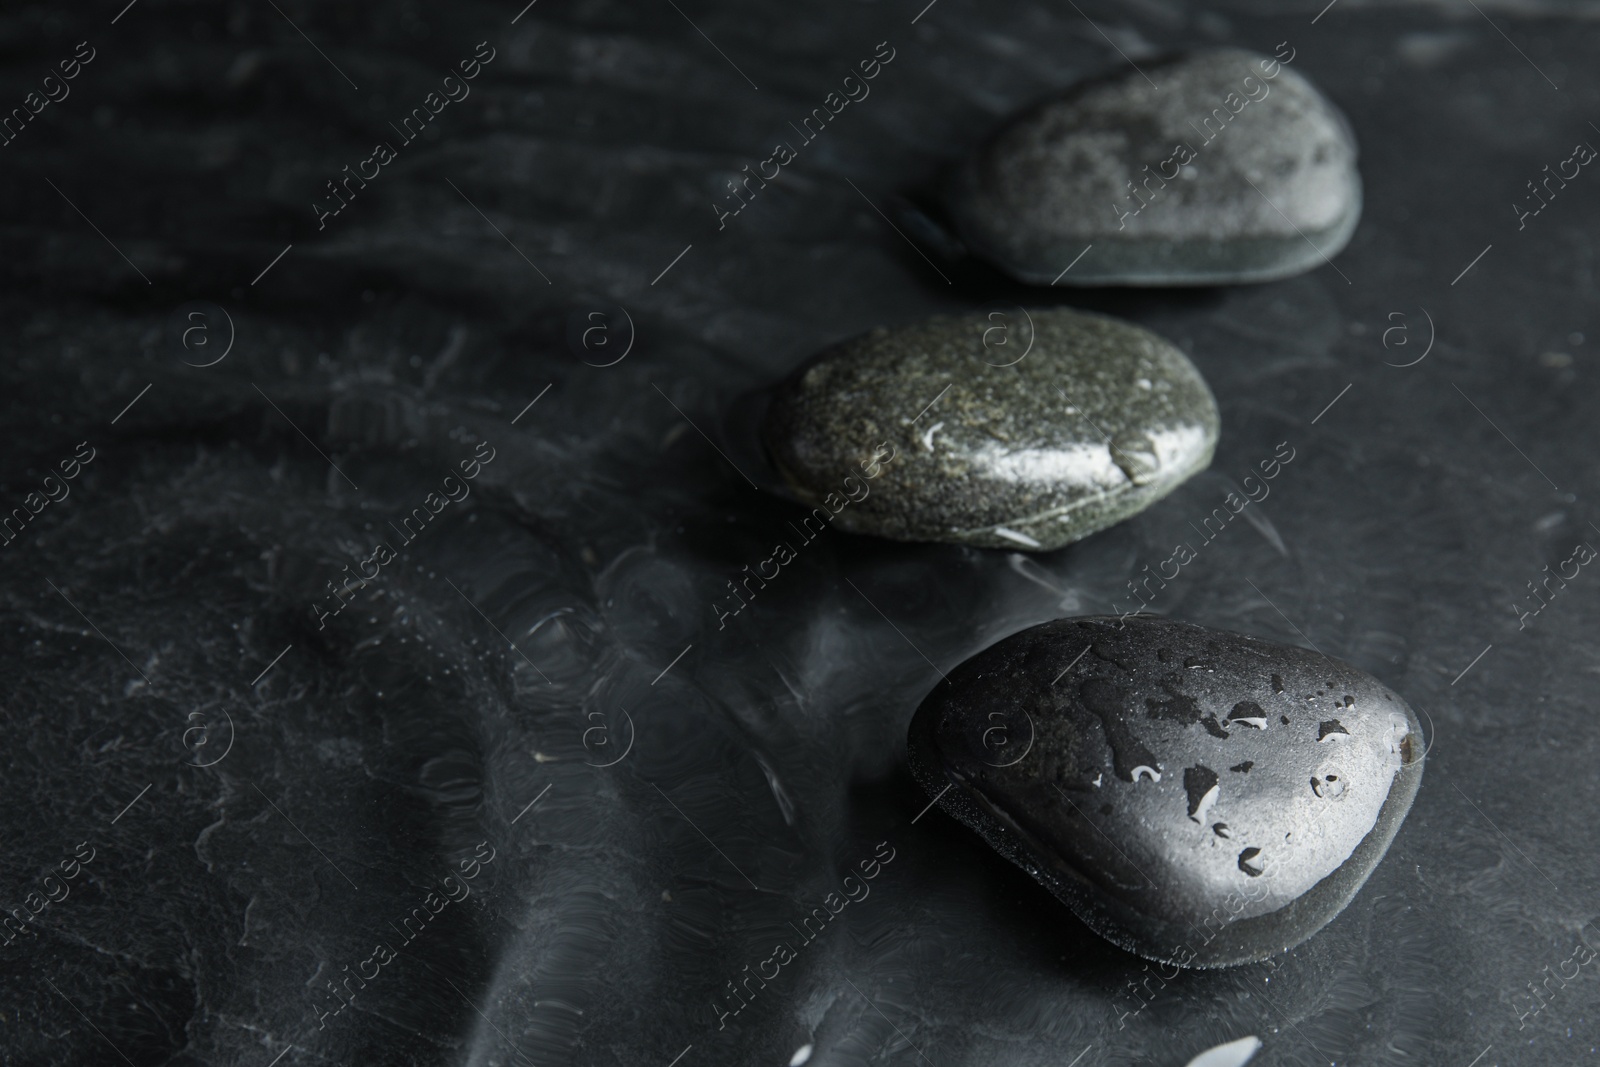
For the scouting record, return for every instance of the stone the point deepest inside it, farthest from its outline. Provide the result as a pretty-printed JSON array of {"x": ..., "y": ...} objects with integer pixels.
[
  {"x": 1235, "y": 170},
  {"x": 1197, "y": 797},
  {"x": 1030, "y": 438}
]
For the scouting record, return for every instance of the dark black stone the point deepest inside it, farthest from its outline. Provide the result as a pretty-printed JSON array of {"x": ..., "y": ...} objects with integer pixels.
[{"x": 1153, "y": 872}]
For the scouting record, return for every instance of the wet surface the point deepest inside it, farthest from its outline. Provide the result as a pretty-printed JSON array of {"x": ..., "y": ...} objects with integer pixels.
[
  {"x": 1065, "y": 764},
  {"x": 1054, "y": 443},
  {"x": 530, "y": 680},
  {"x": 1232, "y": 198}
]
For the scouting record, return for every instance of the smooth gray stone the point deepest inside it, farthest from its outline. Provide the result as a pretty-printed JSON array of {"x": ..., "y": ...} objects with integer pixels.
[
  {"x": 1198, "y": 797},
  {"x": 1073, "y": 423},
  {"x": 1270, "y": 188}
]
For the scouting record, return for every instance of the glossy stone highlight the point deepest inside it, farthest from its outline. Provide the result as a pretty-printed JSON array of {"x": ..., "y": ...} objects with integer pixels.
[
  {"x": 1197, "y": 797},
  {"x": 1029, "y": 438}
]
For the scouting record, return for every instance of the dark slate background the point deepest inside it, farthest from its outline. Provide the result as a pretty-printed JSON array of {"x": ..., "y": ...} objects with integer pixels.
[{"x": 347, "y": 781}]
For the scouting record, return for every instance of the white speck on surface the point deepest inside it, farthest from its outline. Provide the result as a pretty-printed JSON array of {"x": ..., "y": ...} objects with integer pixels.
[
  {"x": 1019, "y": 538},
  {"x": 1233, "y": 1054}
]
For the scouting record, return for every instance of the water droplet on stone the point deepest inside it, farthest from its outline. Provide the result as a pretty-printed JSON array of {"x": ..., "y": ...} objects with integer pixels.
[
  {"x": 1122, "y": 713},
  {"x": 1109, "y": 704},
  {"x": 1248, "y": 713},
  {"x": 1331, "y": 730},
  {"x": 1200, "y": 785},
  {"x": 1137, "y": 457},
  {"x": 1180, "y": 708},
  {"x": 1329, "y": 785}
]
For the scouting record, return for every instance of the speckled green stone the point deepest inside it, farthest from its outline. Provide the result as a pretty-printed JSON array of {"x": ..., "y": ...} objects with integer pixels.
[{"x": 1098, "y": 420}]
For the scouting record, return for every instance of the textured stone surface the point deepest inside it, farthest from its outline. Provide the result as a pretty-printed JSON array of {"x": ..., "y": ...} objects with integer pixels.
[
  {"x": 1240, "y": 170},
  {"x": 1198, "y": 797},
  {"x": 994, "y": 447}
]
